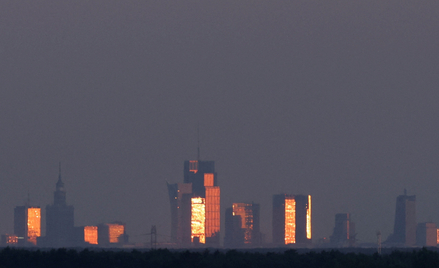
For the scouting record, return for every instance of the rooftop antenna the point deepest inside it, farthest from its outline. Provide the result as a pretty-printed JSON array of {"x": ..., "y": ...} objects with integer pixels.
[
  {"x": 59, "y": 176},
  {"x": 198, "y": 141}
]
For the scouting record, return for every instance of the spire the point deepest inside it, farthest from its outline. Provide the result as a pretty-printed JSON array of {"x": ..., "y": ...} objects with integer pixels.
[
  {"x": 59, "y": 176},
  {"x": 59, "y": 184},
  {"x": 198, "y": 141}
]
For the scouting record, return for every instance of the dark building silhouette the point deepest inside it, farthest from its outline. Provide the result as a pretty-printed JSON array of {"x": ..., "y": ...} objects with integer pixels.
[
  {"x": 234, "y": 233},
  {"x": 242, "y": 226},
  {"x": 426, "y": 234},
  {"x": 195, "y": 205},
  {"x": 180, "y": 198},
  {"x": 111, "y": 234},
  {"x": 59, "y": 219},
  {"x": 27, "y": 224},
  {"x": 344, "y": 231},
  {"x": 404, "y": 231},
  {"x": 291, "y": 219}
]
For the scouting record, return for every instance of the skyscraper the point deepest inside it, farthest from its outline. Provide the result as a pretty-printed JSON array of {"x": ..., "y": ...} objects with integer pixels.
[
  {"x": 404, "y": 231},
  {"x": 195, "y": 205},
  {"x": 27, "y": 224},
  {"x": 426, "y": 234},
  {"x": 111, "y": 234},
  {"x": 242, "y": 225},
  {"x": 291, "y": 219},
  {"x": 344, "y": 230},
  {"x": 59, "y": 219}
]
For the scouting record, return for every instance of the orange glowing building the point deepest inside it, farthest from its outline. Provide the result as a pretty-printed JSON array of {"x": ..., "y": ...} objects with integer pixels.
[
  {"x": 200, "y": 183},
  {"x": 9, "y": 240},
  {"x": 111, "y": 234},
  {"x": 198, "y": 220},
  {"x": 242, "y": 226},
  {"x": 27, "y": 224},
  {"x": 292, "y": 219},
  {"x": 91, "y": 235}
]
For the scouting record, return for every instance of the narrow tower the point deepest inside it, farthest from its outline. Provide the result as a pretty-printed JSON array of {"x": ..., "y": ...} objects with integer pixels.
[{"x": 59, "y": 218}]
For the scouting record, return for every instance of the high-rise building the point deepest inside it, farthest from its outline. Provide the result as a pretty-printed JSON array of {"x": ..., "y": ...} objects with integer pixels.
[
  {"x": 242, "y": 226},
  {"x": 59, "y": 219},
  {"x": 110, "y": 234},
  {"x": 404, "y": 231},
  {"x": 91, "y": 235},
  {"x": 291, "y": 219},
  {"x": 27, "y": 224},
  {"x": 195, "y": 205},
  {"x": 426, "y": 234},
  {"x": 344, "y": 231}
]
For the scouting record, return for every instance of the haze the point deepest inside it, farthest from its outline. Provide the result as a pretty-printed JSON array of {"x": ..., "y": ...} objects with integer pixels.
[{"x": 337, "y": 99}]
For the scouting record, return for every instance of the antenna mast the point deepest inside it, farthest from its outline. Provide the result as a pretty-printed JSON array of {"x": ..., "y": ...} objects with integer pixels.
[{"x": 198, "y": 142}]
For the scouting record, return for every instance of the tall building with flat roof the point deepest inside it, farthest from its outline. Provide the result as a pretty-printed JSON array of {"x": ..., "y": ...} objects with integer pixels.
[
  {"x": 292, "y": 219},
  {"x": 404, "y": 230},
  {"x": 195, "y": 205},
  {"x": 344, "y": 231},
  {"x": 242, "y": 226},
  {"x": 27, "y": 224},
  {"x": 426, "y": 234}
]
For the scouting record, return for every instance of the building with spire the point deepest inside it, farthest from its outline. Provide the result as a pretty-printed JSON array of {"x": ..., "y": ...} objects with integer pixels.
[
  {"x": 59, "y": 219},
  {"x": 195, "y": 206}
]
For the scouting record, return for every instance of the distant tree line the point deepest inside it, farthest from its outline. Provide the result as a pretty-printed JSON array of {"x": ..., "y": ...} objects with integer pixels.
[{"x": 66, "y": 258}]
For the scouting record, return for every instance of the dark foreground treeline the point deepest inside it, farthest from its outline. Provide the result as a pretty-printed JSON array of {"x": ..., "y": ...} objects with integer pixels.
[{"x": 66, "y": 258}]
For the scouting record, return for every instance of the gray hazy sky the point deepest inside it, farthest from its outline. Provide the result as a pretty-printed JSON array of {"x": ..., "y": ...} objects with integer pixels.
[{"x": 337, "y": 99}]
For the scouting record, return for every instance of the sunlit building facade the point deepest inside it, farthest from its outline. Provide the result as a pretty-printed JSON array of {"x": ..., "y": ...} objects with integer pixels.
[
  {"x": 27, "y": 224},
  {"x": 242, "y": 226},
  {"x": 91, "y": 235},
  {"x": 111, "y": 234},
  {"x": 198, "y": 220},
  {"x": 292, "y": 219},
  {"x": 195, "y": 205},
  {"x": 9, "y": 240},
  {"x": 426, "y": 234},
  {"x": 404, "y": 230}
]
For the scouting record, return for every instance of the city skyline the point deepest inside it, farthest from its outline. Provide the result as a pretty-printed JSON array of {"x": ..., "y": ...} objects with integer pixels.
[
  {"x": 337, "y": 100},
  {"x": 195, "y": 220}
]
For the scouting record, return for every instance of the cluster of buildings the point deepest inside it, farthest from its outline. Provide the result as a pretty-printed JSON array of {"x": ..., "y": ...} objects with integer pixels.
[
  {"x": 195, "y": 220},
  {"x": 60, "y": 229},
  {"x": 406, "y": 231},
  {"x": 195, "y": 214}
]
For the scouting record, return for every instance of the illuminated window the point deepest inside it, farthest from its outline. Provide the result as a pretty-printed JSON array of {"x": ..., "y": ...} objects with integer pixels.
[
  {"x": 33, "y": 224},
  {"x": 198, "y": 219},
  {"x": 212, "y": 211},
  {"x": 437, "y": 236},
  {"x": 308, "y": 220},
  {"x": 91, "y": 234},
  {"x": 290, "y": 221},
  {"x": 11, "y": 239},
  {"x": 208, "y": 179},
  {"x": 193, "y": 166}
]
